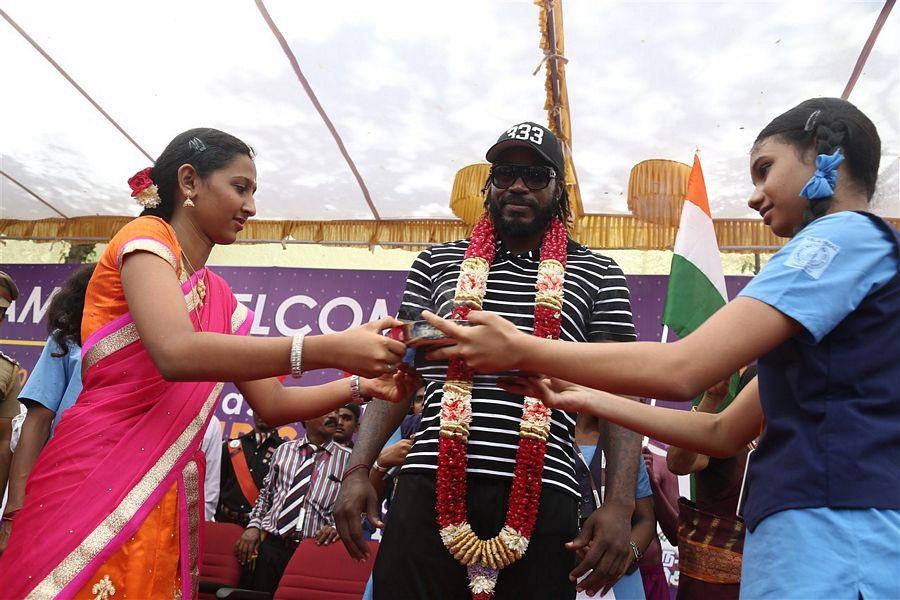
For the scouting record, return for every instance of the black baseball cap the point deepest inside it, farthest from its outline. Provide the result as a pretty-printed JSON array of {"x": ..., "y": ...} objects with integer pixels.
[{"x": 534, "y": 136}]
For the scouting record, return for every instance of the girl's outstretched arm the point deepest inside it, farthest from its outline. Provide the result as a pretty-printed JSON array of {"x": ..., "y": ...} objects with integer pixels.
[
  {"x": 720, "y": 434},
  {"x": 735, "y": 336}
]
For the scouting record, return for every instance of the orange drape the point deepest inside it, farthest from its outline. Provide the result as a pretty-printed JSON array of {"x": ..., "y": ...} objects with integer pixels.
[{"x": 155, "y": 544}]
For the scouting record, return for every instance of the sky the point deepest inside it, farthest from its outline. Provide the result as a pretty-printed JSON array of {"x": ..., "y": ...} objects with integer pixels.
[{"x": 418, "y": 90}]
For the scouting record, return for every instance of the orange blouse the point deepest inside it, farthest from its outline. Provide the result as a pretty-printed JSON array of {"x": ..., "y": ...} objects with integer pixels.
[{"x": 105, "y": 299}]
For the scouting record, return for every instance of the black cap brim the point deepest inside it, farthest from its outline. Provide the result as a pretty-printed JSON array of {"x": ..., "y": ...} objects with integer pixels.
[{"x": 500, "y": 147}]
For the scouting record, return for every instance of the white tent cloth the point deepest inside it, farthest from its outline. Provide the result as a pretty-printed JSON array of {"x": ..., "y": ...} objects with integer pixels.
[{"x": 417, "y": 90}]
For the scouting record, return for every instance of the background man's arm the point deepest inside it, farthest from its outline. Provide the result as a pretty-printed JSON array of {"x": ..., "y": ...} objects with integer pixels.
[{"x": 357, "y": 495}]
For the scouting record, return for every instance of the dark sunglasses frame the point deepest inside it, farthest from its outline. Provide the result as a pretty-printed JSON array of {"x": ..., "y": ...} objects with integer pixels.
[{"x": 531, "y": 176}]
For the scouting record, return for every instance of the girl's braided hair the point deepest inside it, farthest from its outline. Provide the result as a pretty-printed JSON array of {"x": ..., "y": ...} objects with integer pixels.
[{"x": 823, "y": 125}]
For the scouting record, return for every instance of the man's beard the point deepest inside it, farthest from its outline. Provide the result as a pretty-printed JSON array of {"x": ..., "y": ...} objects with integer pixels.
[{"x": 516, "y": 227}]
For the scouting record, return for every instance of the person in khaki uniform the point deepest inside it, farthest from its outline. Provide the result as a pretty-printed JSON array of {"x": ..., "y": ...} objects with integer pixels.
[{"x": 10, "y": 384}]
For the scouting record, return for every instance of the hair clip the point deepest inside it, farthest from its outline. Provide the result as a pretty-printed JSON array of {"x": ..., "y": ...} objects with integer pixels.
[
  {"x": 196, "y": 144},
  {"x": 810, "y": 122}
]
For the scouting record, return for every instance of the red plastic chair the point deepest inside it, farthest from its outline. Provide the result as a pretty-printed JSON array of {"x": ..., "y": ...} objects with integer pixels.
[
  {"x": 325, "y": 573},
  {"x": 220, "y": 567}
]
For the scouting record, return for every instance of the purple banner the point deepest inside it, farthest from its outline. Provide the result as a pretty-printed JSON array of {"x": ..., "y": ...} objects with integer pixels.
[{"x": 284, "y": 301}]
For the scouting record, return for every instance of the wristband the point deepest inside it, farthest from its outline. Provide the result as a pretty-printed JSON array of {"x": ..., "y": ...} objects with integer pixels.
[
  {"x": 297, "y": 355},
  {"x": 379, "y": 468},
  {"x": 353, "y": 468},
  {"x": 10, "y": 515}
]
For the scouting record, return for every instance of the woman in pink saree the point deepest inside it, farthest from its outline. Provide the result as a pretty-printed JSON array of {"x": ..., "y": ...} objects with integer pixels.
[{"x": 114, "y": 505}]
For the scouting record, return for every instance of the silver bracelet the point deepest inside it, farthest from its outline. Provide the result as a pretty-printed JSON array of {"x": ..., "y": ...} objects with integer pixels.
[
  {"x": 355, "y": 395},
  {"x": 637, "y": 551},
  {"x": 297, "y": 355}
]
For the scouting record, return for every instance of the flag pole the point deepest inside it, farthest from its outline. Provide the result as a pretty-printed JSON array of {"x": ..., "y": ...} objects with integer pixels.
[{"x": 663, "y": 340}]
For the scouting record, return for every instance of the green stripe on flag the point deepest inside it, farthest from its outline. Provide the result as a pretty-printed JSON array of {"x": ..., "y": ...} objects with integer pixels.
[{"x": 691, "y": 297}]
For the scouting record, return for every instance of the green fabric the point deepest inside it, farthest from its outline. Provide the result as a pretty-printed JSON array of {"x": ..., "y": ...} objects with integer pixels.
[
  {"x": 691, "y": 297},
  {"x": 690, "y": 300}
]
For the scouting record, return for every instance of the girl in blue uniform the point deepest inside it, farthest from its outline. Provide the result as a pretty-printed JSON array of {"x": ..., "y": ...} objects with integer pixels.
[{"x": 823, "y": 320}]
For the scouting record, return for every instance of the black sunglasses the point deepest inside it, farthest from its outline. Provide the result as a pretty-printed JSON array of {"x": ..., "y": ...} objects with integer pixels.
[{"x": 534, "y": 177}]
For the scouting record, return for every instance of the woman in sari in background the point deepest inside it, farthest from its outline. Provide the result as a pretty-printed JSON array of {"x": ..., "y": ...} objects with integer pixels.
[{"x": 114, "y": 504}]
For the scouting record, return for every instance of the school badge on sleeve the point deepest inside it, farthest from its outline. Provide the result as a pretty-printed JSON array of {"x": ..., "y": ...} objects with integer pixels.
[{"x": 812, "y": 256}]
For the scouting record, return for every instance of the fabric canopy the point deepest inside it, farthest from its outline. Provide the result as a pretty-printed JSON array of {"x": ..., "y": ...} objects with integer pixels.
[
  {"x": 414, "y": 92},
  {"x": 594, "y": 231}
]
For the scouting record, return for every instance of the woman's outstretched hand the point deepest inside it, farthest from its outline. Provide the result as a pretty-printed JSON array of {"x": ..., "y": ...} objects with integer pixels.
[
  {"x": 398, "y": 387},
  {"x": 555, "y": 393},
  {"x": 363, "y": 350},
  {"x": 492, "y": 344}
]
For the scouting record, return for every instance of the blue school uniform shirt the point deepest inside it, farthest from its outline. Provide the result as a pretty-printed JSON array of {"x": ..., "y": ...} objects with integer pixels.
[
  {"x": 829, "y": 393},
  {"x": 55, "y": 382},
  {"x": 825, "y": 272}
]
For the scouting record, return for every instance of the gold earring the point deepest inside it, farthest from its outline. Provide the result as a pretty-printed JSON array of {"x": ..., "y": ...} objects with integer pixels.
[{"x": 187, "y": 201}]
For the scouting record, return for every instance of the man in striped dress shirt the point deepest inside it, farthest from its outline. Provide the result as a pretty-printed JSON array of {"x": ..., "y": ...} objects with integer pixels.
[
  {"x": 524, "y": 192},
  {"x": 296, "y": 502}
]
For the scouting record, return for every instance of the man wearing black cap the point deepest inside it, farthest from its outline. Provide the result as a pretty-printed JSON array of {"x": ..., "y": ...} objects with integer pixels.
[
  {"x": 524, "y": 193},
  {"x": 10, "y": 384}
]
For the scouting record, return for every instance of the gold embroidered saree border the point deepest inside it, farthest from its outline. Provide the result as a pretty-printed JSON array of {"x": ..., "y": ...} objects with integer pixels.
[
  {"x": 147, "y": 245},
  {"x": 238, "y": 316},
  {"x": 99, "y": 538},
  {"x": 110, "y": 345},
  {"x": 191, "y": 478},
  {"x": 709, "y": 563},
  {"x": 126, "y": 335}
]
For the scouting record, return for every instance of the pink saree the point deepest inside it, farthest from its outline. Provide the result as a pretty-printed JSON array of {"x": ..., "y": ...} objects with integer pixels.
[{"x": 129, "y": 438}]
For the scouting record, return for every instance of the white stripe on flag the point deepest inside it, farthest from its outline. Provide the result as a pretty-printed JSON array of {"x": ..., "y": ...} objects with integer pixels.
[{"x": 696, "y": 241}]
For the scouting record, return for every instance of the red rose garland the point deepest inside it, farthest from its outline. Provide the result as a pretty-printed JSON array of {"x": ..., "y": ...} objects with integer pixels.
[{"x": 485, "y": 558}]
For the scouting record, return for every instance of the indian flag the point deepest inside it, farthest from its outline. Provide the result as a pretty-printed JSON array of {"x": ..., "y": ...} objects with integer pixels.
[{"x": 696, "y": 281}]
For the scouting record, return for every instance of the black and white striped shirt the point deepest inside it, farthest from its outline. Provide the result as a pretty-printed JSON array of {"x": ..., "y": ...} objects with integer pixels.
[{"x": 597, "y": 308}]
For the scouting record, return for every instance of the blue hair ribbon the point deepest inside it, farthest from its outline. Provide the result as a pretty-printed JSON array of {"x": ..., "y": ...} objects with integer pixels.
[{"x": 821, "y": 184}]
